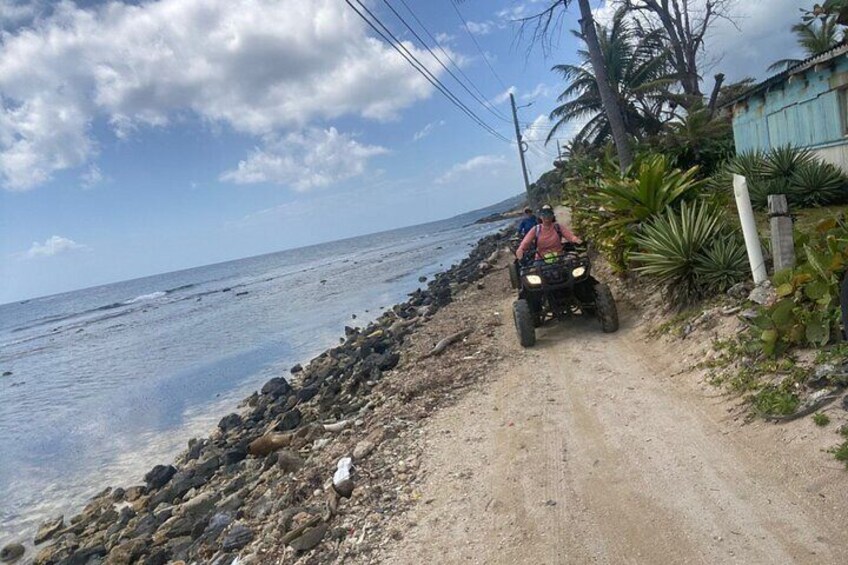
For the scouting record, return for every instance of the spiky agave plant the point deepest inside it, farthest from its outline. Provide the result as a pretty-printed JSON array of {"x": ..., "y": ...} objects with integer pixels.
[
  {"x": 721, "y": 264},
  {"x": 817, "y": 184},
  {"x": 671, "y": 246}
]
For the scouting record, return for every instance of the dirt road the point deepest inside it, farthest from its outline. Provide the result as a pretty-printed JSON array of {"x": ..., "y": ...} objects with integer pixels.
[{"x": 585, "y": 449}]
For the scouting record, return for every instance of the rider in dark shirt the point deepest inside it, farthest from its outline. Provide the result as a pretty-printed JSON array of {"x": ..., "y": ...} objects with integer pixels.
[{"x": 528, "y": 223}]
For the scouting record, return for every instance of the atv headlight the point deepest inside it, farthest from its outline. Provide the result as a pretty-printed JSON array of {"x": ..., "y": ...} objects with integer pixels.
[
  {"x": 533, "y": 280},
  {"x": 578, "y": 272}
]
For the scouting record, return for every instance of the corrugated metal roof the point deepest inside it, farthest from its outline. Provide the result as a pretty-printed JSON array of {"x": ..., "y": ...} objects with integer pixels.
[{"x": 835, "y": 51}]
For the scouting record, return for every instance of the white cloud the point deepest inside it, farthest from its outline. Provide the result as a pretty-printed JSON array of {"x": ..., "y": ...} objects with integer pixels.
[
  {"x": 520, "y": 10},
  {"x": 257, "y": 66},
  {"x": 542, "y": 90},
  {"x": 540, "y": 157},
  {"x": 755, "y": 35},
  {"x": 503, "y": 96},
  {"x": 305, "y": 160},
  {"x": 427, "y": 130},
  {"x": 761, "y": 35},
  {"x": 14, "y": 12},
  {"x": 480, "y": 163},
  {"x": 603, "y": 14},
  {"x": 481, "y": 28},
  {"x": 92, "y": 177},
  {"x": 445, "y": 39},
  {"x": 54, "y": 245}
]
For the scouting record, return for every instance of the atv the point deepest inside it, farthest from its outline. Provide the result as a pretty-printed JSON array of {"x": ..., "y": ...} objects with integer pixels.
[{"x": 556, "y": 288}]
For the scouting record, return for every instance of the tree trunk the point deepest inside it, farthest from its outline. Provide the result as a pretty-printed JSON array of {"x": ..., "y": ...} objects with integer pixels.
[
  {"x": 608, "y": 97},
  {"x": 719, "y": 79}
]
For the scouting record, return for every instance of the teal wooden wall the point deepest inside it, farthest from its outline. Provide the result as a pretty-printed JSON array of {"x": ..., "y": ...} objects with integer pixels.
[{"x": 804, "y": 112}]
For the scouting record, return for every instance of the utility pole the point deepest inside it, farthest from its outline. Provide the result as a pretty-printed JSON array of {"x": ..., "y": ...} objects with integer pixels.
[{"x": 521, "y": 144}]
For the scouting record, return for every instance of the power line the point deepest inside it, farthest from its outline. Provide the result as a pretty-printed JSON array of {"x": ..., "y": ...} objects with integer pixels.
[
  {"x": 474, "y": 39},
  {"x": 418, "y": 66},
  {"x": 483, "y": 98}
]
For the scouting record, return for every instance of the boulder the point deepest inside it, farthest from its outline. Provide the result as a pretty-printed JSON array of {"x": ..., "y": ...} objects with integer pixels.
[
  {"x": 307, "y": 393},
  {"x": 159, "y": 475},
  {"x": 12, "y": 552},
  {"x": 232, "y": 456},
  {"x": 289, "y": 421},
  {"x": 230, "y": 422},
  {"x": 276, "y": 387},
  {"x": 296, "y": 369},
  {"x": 134, "y": 493},
  {"x": 48, "y": 528}
]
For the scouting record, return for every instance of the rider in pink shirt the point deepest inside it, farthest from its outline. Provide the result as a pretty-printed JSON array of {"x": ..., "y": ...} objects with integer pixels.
[{"x": 550, "y": 236}]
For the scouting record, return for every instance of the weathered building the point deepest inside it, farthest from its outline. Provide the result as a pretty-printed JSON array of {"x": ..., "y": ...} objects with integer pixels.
[{"x": 804, "y": 106}]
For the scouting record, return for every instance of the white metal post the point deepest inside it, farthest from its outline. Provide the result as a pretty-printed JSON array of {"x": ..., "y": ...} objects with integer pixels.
[{"x": 749, "y": 229}]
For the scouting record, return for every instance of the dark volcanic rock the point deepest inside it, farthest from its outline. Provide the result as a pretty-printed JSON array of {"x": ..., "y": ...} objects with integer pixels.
[
  {"x": 159, "y": 475},
  {"x": 296, "y": 369},
  {"x": 230, "y": 422},
  {"x": 276, "y": 387},
  {"x": 238, "y": 536},
  {"x": 307, "y": 393},
  {"x": 289, "y": 421},
  {"x": 12, "y": 552},
  {"x": 234, "y": 455},
  {"x": 158, "y": 557},
  {"x": 389, "y": 361}
]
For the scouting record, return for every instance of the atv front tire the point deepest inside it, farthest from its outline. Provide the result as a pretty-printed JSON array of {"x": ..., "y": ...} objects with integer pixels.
[
  {"x": 605, "y": 308},
  {"x": 514, "y": 279},
  {"x": 524, "y": 323}
]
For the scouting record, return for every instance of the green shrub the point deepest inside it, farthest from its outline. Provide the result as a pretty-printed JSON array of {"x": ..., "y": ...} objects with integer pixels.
[
  {"x": 680, "y": 246},
  {"x": 698, "y": 139},
  {"x": 798, "y": 173},
  {"x": 807, "y": 311},
  {"x": 646, "y": 190},
  {"x": 774, "y": 401},
  {"x": 821, "y": 419}
]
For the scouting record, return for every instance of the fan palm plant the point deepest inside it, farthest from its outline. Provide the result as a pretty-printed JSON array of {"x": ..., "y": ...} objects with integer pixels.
[{"x": 638, "y": 65}]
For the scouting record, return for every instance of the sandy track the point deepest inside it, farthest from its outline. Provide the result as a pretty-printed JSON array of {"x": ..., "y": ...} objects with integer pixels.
[{"x": 585, "y": 450}]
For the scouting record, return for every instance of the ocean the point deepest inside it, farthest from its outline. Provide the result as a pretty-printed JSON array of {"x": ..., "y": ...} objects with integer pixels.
[{"x": 101, "y": 384}]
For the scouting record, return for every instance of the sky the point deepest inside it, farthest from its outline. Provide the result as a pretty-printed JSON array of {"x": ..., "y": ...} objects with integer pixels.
[{"x": 144, "y": 137}]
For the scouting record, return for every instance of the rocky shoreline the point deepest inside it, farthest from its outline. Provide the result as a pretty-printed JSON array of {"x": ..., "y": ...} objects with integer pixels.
[{"x": 271, "y": 481}]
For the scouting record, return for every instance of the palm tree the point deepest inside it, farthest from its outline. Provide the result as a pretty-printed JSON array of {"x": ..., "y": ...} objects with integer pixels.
[
  {"x": 813, "y": 38},
  {"x": 638, "y": 69}
]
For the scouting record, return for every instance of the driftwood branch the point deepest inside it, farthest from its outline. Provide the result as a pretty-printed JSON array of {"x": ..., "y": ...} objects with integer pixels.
[
  {"x": 444, "y": 343},
  {"x": 297, "y": 532}
]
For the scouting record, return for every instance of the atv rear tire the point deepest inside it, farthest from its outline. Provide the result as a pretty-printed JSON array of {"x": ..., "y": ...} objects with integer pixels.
[
  {"x": 605, "y": 308},
  {"x": 524, "y": 323},
  {"x": 514, "y": 279}
]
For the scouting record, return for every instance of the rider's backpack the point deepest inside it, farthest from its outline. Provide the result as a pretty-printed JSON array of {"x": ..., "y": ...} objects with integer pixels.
[{"x": 539, "y": 230}]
